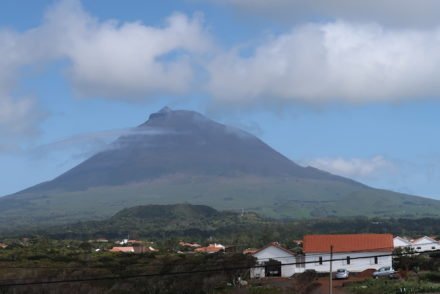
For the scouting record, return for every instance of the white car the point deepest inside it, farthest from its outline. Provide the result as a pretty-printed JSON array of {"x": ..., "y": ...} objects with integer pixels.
[
  {"x": 386, "y": 271},
  {"x": 341, "y": 273}
]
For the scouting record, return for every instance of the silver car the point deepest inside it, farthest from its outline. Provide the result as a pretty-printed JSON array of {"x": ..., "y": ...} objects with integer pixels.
[
  {"x": 341, "y": 273},
  {"x": 386, "y": 271}
]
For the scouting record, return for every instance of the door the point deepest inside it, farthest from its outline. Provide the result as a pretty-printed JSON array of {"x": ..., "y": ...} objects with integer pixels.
[{"x": 272, "y": 268}]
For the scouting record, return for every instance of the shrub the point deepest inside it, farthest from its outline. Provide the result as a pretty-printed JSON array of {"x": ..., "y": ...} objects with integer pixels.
[{"x": 431, "y": 277}]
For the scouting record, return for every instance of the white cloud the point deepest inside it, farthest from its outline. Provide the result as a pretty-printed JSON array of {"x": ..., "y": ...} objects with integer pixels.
[
  {"x": 107, "y": 59},
  {"x": 331, "y": 62},
  {"x": 84, "y": 145},
  {"x": 126, "y": 60},
  {"x": 353, "y": 167},
  {"x": 19, "y": 116},
  {"x": 394, "y": 12},
  {"x": 19, "y": 119}
]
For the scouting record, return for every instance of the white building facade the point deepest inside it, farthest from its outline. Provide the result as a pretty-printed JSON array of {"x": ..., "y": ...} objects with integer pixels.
[
  {"x": 274, "y": 260},
  {"x": 353, "y": 252},
  {"x": 422, "y": 244},
  {"x": 400, "y": 242},
  {"x": 351, "y": 261},
  {"x": 425, "y": 244}
]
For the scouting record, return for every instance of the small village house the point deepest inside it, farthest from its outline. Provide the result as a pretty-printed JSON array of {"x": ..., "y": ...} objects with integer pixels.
[
  {"x": 212, "y": 248},
  {"x": 401, "y": 242},
  {"x": 354, "y": 252},
  {"x": 425, "y": 243},
  {"x": 273, "y": 260},
  {"x": 141, "y": 248},
  {"x": 128, "y": 249},
  {"x": 422, "y": 244}
]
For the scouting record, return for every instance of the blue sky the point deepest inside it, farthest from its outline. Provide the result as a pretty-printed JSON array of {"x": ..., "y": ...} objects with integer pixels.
[{"x": 348, "y": 89}]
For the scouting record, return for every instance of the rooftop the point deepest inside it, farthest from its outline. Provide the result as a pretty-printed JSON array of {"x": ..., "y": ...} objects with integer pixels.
[
  {"x": 348, "y": 243},
  {"x": 122, "y": 249}
]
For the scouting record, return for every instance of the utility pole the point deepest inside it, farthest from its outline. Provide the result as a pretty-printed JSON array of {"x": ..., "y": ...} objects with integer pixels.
[{"x": 330, "y": 291}]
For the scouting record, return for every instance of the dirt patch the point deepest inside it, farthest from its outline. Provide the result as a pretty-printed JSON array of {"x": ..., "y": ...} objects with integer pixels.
[
  {"x": 310, "y": 283},
  {"x": 366, "y": 273},
  {"x": 339, "y": 286}
]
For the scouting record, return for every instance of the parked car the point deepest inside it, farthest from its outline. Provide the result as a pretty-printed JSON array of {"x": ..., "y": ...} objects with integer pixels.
[
  {"x": 342, "y": 273},
  {"x": 386, "y": 271}
]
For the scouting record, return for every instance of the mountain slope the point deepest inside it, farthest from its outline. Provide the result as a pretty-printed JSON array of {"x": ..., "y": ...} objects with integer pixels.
[
  {"x": 186, "y": 143},
  {"x": 182, "y": 156}
]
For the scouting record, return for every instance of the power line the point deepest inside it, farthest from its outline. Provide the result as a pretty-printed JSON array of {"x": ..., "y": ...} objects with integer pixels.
[
  {"x": 224, "y": 269},
  {"x": 275, "y": 257}
]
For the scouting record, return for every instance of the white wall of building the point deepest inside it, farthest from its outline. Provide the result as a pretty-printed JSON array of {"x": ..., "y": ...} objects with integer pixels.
[
  {"x": 272, "y": 252},
  {"x": 355, "y": 263},
  {"x": 400, "y": 242},
  {"x": 425, "y": 244}
]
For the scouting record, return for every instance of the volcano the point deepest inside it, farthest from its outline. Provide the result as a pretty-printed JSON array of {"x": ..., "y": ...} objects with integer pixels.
[{"x": 180, "y": 156}]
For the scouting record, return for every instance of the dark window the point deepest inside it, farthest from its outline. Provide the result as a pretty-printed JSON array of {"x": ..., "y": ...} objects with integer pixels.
[
  {"x": 375, "y": 260},
  {"x": 300, "y": 261},
  {"x": 433, "y": 247},
  {"x": 348, "y": 259},
  {"x": 419, "y": 248},
  {"x": 320, "y": 260},
  {"x": 272, "y": 268}
]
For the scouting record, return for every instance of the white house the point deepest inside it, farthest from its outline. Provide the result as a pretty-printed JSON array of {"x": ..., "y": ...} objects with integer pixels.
[
  {"x": 354, "y": 252},
  {"x": 425, "y": 244},
  {"x": 400, "y": 242},
  {"x": 270, "y": 260}
]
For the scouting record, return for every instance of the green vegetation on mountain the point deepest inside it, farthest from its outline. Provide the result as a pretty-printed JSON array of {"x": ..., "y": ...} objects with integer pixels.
[{"x": 162, "y": 223}]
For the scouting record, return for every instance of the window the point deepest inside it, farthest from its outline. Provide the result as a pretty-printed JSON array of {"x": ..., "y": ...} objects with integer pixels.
[
  {"x": 376, "y": 261},
  {"x": 300, "y": 261},
  {"x": 433, "y": 247},
  {"x": 348, "y": 259},
  {"x": 320, "y": 260},
  {"x": 418, "y": 248}
]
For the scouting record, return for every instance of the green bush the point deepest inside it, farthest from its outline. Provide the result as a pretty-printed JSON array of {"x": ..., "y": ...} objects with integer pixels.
[{"x": 431, "y": 277}]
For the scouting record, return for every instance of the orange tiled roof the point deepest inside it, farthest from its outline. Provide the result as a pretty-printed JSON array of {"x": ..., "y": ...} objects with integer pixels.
[
  {"x": 185, "y": 244},
  {"x": 122, "y": 249},
  {"x": 250, "y": 251},
  {"x": 209, "y": 249},
  {"x": 348, "y": 243}
]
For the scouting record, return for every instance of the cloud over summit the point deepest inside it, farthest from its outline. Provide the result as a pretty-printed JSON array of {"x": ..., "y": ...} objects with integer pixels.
[
  {"x": 105, "y": 59},
  {"x": 342, "y": 61}
]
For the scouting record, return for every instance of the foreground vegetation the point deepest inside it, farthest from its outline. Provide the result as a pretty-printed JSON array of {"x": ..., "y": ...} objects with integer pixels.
[
  {"x": 76, "y": 267},
  {"x": 35, "y": 260},
  {"x": 423, "y": 284},
  {"x": 65, "y": 253}
]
